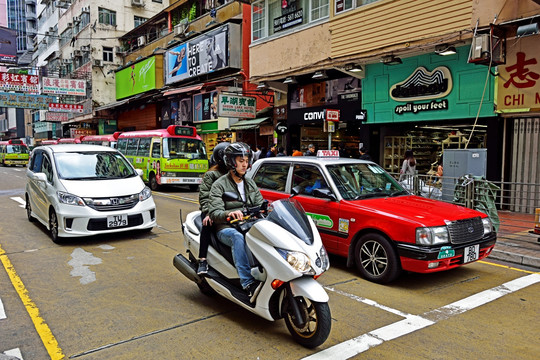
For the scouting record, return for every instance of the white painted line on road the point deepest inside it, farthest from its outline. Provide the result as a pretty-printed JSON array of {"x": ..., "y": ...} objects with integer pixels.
[
  {"x": 362, "y": 343},
  {"x": 369, "y": 302},
  {"x": 19, "y": 200},
  {"x": 2, "y": 311},
  {"x": 14, "y": 352}
]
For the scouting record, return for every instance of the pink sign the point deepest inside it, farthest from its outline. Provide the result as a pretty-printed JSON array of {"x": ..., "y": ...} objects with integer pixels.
[
  {"x": 19, "y": 82},
  {"x": 65, "y": 108}
]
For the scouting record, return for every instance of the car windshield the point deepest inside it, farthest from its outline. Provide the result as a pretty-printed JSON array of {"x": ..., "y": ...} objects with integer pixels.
[
  {"x": 360, "y": 181},
  {"x": 290, "y": 215},
  {"x": 17, "y": 149},
  {"x": 179, "y": 148},
  {"x": 92, "y": 165}
]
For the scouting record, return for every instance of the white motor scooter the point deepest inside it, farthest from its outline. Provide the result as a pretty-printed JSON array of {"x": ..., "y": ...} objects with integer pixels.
[{"x": 286, "y": 253}]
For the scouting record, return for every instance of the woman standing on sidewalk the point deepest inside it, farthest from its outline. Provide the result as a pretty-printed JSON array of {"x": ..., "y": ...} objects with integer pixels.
[{"x": 409, "y": 166}]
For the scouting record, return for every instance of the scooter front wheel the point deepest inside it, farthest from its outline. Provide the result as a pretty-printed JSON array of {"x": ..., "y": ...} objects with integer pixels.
[{"x": 315, "y": 323}]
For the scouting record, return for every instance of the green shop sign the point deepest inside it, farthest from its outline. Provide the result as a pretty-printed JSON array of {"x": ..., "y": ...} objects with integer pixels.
[
  {"x": 137, "y": 78},
  {"x": 427, "y": 87}
]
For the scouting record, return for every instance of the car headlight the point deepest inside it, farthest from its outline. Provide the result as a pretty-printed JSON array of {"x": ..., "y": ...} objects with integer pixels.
[
  {"x": 488, "y": 225},
  {"x": 69, "y": 199},
  {"x": 145, "y": 194},
  {"x": 298, "y": 261},
  {"x": 432, "y": 235}
]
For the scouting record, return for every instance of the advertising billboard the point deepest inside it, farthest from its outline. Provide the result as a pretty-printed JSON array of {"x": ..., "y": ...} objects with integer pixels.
[
  {"x": 8, "y": 45},
  {"x": 137, "y": 78}
]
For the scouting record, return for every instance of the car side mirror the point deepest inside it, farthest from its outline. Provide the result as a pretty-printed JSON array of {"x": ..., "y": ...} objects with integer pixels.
[
  {"x": 40, "y": 177},
  {"x": 139, "y": 172},
  {"x": 325, "y": 194},
  {"x": 230, "y": 196}
]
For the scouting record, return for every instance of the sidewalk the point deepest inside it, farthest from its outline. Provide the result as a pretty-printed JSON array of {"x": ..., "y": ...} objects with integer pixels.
[{"x": 515, "y": 242}]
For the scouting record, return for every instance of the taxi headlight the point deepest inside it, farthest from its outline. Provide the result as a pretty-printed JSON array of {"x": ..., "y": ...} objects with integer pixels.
[
  {"x": 145, "y": 194},
  {"x": 432, "y": 235},
  {"x": 488, "y": 225},
  {"x": 69, "y": 199},
  {"x": 298, "y": 261}
]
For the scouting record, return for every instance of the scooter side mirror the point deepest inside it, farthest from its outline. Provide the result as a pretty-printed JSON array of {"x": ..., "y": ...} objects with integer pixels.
[{"x": 231, "y": 196}]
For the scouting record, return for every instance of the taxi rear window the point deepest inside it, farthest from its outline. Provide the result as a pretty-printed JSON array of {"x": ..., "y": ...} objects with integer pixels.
[{"x": 272, "y": 176}]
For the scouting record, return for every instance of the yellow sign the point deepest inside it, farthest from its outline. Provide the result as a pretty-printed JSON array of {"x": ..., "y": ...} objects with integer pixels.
[{"x": 518, "y": 84}]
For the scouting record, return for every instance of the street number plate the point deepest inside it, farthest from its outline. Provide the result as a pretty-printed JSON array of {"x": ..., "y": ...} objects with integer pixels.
[
  {"x": 117, "y": 221},
  {"x": 471, "y": 253}
]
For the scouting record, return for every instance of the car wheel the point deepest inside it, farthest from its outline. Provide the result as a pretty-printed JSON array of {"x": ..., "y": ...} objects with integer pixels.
[
  {"x": 376, "y": 259},
  {"x": 53, "y": 226},
  {"x": 154, "y": 186},
  {"x": 29, "y": 209}
]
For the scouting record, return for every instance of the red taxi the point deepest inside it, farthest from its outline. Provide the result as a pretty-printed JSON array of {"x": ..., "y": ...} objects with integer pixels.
[{"x": 365, "y": 215}]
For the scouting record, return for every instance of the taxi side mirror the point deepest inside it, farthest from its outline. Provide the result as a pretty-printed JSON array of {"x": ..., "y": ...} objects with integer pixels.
[{"x": 325, "y": 194}]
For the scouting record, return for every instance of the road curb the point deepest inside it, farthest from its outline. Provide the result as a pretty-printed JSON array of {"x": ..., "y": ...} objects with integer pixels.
[{"x": 515, "y": 258}]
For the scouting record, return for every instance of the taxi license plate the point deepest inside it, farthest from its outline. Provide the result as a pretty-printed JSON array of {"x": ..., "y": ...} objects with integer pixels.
[
  {"x": 471, "y": 253},
  {"x": 117, "y": 221}
]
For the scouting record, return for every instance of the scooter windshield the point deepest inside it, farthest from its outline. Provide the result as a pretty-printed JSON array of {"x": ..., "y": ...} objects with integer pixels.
[{"x": 290, "y": 215}]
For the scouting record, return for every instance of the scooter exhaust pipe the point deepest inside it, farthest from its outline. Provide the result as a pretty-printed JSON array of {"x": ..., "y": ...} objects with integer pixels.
[{"x": 187, "y": 268}]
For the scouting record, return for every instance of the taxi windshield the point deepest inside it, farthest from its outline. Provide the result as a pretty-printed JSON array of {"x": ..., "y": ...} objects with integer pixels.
[
  {"x": 290, "y": 215},
  {"x": 360, "y": 181}
]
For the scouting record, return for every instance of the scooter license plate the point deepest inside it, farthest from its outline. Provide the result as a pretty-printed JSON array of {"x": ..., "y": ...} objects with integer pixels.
[
  {"x": 114, "y": 221},
  {"x": 471, "y": 253}
]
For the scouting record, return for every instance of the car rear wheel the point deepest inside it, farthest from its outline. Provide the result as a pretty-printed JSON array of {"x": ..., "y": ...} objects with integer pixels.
[
  {"x": 53, "y": 226},
  {"x": 376, "y": 259},
  {"x": 29, "y": 209}
]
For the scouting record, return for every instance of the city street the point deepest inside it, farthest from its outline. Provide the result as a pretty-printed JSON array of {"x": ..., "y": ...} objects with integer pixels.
[{"x": 120, "y": 297}]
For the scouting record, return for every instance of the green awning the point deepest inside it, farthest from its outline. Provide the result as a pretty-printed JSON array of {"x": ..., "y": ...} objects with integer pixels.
[
  {"x": 248, "y": 124},
  {"x": 210, "y": 127}
]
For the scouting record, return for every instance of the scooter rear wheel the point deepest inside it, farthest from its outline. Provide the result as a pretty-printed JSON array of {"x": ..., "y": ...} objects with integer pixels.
[{"x": 316, "y": 319}]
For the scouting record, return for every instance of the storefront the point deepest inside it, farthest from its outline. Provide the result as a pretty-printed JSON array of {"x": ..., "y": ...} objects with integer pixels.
[
  {"x": 306, "y": 115},
  {"x": 430, "y": 103}
]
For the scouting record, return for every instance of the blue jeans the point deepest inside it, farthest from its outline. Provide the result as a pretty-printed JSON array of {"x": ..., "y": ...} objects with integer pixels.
[{"x": 236, "y": 241}]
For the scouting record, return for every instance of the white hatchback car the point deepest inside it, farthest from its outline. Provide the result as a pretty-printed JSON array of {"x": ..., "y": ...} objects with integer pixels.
[{"x": 81, "y": 190}]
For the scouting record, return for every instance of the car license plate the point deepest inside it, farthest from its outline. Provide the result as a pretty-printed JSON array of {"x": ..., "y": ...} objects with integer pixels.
[
  {"x": 471, "y": 253},
  {"x": 117, "y": 221}
]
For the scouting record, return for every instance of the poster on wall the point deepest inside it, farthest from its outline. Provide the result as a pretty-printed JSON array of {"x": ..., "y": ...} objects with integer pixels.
[
  {"x": 8, "y": 45},
  {"x": 325, "y": 93},
  {"x": 201, "y": 55},
  {"x": 205, "y": 106},
  {"x": 184, "y": 112}
]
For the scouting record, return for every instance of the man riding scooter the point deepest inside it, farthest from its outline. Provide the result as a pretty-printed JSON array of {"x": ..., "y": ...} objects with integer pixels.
[{"x": 238, "y": 158}]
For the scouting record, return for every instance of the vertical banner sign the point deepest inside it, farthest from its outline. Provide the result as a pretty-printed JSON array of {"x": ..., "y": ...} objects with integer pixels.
[
  {"x": 518, "y": 83},
  {"x": 58, "y": 86},
  {"x": 202, "y": 55},
  {"x": 28, "y": 84}
]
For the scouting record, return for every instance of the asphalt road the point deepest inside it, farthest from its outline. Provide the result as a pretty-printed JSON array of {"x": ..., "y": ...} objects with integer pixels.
[{"x": 119, "y": 297}]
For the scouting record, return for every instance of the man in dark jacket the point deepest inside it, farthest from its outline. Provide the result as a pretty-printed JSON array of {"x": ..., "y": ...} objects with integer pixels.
[
  {"x": 238, "y": 158},
  {"x": 310, "y": 151}
]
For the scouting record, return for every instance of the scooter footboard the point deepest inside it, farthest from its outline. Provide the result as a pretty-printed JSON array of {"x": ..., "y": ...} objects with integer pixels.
[{"x": 309, "y": 288}]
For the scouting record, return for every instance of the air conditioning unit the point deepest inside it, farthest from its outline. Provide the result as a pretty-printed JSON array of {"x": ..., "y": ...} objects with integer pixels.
[
  {"x": 76, "y": 19},
  {"x": 66, "y": 61},
  {"x": 51, "y": 30},
  {"x": 137, "y": 3},
  {"x": 57, "y": 54},
  {"x": 486, "y": 48},
  {"x": 46, "y": 33},
  {"x": 69, "y": 25},
  {"x": 85, "y": 48},
  {"x": 98, "y": 62},
  {"x": 63, "y": 4},
  {"x": 141, "y": 40},
  {"x": 181, "y": 27},
  {"x": 77, "y": 53},
  {"x": 86, "y": 9}
]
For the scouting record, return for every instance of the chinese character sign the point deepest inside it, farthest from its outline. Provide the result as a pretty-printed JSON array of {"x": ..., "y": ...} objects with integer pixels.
[
  {"x": 13, "y": 100},
  {"x": 518, "y": 83},
  {"x": 73, "y": 108},
  {"x": 64, "y": 86},
  {"x": 28, "y": 84},
  {"x": 236, "y": 106}
]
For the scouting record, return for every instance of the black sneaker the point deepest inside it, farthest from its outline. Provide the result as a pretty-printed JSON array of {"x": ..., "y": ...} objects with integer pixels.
[
  {"x": 203, "y": 267},
  {"x": 253, "y": 290}
]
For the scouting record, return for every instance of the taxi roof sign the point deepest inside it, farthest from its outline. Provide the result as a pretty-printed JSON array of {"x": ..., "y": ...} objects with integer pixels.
[{"x": 328, "y": 153}]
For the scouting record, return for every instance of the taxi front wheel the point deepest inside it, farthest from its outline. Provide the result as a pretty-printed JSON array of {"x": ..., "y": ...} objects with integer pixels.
[{"x": 376, "y": 259}]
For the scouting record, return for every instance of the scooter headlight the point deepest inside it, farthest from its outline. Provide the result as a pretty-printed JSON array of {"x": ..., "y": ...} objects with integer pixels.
[
  {"x": 299, "y": 261},
  {"x": 323, "y": 261}
]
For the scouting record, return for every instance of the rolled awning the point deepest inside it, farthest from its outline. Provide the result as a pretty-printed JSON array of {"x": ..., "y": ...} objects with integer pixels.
[
  {"x": 112, "y": 105},
  {"x": 248, "y": 124},
  {"x": 183, "y": 90}
]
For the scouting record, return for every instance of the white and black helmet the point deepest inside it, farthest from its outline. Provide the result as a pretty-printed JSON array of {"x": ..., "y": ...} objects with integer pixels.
[
  {"x": 234, "y": 150},
  {"x": 217, "y": 154}
]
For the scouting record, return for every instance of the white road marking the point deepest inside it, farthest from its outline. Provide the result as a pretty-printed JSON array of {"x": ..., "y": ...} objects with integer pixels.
[
  {"x": 2, "y": 311},
  {"x": 19, "y": 200},
  {"x": 79, "y": 260},
  {"x": 14, "y": 352},
  {"x": 411, "y": 323}
]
